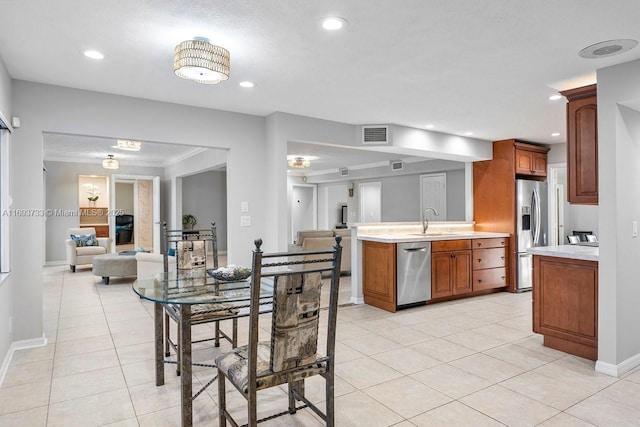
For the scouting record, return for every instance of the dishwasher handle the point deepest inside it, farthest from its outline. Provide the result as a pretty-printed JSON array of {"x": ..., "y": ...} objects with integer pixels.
[{"x": 415, "y": 249}]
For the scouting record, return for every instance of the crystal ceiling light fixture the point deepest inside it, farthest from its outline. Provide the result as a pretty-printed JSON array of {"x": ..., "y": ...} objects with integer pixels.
[
  {"x": 299, "y": 162},
  {"x": 110, "y": 162},
  {"x": 201, "y": 61},
  {"x": 129, "y": 145}
]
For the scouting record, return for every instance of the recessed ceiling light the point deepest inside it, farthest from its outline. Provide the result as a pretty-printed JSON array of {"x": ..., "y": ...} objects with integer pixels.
[
  {"x": 93, "y": 54},
  {"x": 608, "y": 48},
  {"x": 468, "y": 133},
  {"x": 429, "y": 126},
  {"x": 555, "y": 97},
  {"x": 555, "y": 134},
  {"x": 333, "y": 23},
  {"x": 246, "y": 84}
]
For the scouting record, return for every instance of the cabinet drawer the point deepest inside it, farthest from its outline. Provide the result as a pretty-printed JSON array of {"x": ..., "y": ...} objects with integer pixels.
[
  {"x": 488, "y": 258},
  {"x": 489, "y": 279},
  {"x": 499, "y": 242},
  {"x": 450, "y": 245}
]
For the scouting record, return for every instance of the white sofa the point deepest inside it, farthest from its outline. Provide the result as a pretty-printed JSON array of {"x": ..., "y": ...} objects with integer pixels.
[
  {"x": 324, "y": 240},
  {"x": 150, "y": 264},
  {"x": 84, "y": 254}
]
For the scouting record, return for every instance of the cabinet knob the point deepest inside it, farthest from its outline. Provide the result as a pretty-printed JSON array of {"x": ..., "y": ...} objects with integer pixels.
[
  {"x": 453, "y": 255},
  {"x": 479, "y": 280},
  {"x": 502, "y": 277},
  {"x": 479, "y": 259},
  {"x": 502, "y": 258}
]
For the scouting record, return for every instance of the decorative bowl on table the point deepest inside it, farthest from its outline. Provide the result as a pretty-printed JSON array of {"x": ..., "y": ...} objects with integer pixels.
[{"x": 230, "y": 273}]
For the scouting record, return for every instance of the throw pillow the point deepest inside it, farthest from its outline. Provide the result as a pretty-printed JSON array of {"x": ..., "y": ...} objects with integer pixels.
[{"x": 85, "y": 239}]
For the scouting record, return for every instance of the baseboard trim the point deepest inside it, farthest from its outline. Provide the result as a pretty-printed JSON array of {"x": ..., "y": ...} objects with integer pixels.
[
  {"x": 52, "y": 263},
  {"x": 619, "y": 369},
  {"x": 359, "y": 300},
  {"x": 19, "y": 345}
]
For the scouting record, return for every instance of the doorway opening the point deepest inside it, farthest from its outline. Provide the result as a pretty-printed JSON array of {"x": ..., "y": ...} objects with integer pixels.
[{"x": 304, "y": 209}]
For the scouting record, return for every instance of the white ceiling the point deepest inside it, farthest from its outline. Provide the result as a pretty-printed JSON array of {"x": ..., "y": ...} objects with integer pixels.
[{"x": 467, "y": 65}]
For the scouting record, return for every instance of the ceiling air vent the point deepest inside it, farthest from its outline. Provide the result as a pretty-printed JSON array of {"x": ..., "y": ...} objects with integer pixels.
[
  {"x": 397, "y": 165},
  {"x": 344, "y": 172},
  {"x": 375, "y": 134}
]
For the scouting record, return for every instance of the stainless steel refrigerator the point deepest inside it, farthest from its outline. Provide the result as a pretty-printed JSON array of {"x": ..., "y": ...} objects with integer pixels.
[{"x": 531, "y": 227}]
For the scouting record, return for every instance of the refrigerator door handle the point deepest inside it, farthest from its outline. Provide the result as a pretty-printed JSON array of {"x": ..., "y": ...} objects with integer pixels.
[{"x": 535, "y": 207}]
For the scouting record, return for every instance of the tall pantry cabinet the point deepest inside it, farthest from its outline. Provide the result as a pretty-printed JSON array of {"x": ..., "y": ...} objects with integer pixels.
[{"x": 494, "y": 190}]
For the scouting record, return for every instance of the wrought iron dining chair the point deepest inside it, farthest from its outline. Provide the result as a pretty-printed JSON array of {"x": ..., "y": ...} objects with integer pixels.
[
  {"x": 191, "y": 250},
  {"x": 292, "y": 353}
]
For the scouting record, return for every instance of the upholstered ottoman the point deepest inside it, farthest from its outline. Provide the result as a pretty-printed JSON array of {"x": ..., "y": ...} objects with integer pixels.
[{"x": 114, "y": 265}]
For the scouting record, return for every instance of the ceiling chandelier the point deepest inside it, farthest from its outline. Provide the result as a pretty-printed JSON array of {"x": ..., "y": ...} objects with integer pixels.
[
  {"x": 201, "y": 61},
  {"x": 125, "y": 144},
  {"x": 299, "y": 162},
  {"x": 110, "y": 162}
]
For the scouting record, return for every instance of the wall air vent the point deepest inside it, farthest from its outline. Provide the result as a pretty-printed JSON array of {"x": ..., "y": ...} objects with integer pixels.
[
  {"x": 375, "y": 134},
  {"x": 397, "y": 165},
  {"x": 344, "y": 172}
]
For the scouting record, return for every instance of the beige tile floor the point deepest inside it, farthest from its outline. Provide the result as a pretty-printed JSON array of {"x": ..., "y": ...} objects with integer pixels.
[{"x": 472, "y": 362}]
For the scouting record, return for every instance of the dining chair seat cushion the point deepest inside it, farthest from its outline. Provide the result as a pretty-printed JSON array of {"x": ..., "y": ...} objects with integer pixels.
[
  {"x": 234, "y": 366},
  {"x": 200, "y": 312}
]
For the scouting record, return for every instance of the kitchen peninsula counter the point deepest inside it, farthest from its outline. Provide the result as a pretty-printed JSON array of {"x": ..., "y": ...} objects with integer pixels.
[
  {"x": 565, "y": 298},
  {"x": 400, "y": 266},
  {"x": 586, "y": 253}
]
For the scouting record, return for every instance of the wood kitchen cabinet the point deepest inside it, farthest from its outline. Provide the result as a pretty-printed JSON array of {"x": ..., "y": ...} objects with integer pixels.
[
  {"x": 531, "y": 160},
  {"x": 494, "y": 193},
  {"x": 379, "y": 274},
  {"x": 489, "y": 261},
  {"x": 450, "y": 268},
  {"x": 565, "y": 304},
  {"x": 582, "y": 145}
]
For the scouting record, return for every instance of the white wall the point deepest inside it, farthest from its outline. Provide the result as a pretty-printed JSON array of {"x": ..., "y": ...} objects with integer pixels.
[
  {"x": 6, "y": 285},
  {"x": 62, "y": 195},
  {"x": 44, "y": 108},
  {"x": 204, "y": 195},
  {"x": 619, "y": 198},
  {"x": 172, "y": 181}
]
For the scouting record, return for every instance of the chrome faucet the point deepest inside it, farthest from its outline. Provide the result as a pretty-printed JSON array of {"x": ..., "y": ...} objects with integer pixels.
[{"x": 425, "y": 221}]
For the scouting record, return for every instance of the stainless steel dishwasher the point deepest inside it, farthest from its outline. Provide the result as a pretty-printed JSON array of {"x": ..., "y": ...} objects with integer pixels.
[{"x": 413, "y": 276}]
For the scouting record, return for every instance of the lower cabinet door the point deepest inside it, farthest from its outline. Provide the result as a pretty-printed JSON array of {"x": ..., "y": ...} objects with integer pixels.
[
  {"x": 441, "y": 275},
  {"x": 461, "y": 272}
]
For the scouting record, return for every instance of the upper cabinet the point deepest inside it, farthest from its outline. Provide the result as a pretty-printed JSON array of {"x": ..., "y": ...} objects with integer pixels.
[
  {"x": 582, "y": 145},
  {"x": 531, "y": 160}
]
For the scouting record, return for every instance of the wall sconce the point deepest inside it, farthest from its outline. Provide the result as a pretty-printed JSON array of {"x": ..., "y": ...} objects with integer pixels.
[{"x": 350, "y": 187}]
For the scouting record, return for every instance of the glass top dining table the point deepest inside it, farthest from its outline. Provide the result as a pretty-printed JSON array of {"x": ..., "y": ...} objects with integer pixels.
[
  {"x": 183, "y": 295},
  {"x": 172, "y": 288}
]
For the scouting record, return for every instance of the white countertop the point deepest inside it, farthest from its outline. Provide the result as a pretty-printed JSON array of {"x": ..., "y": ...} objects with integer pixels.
[
  {"x": 418, "y": 237},
  {"x": 587, "y": 253}
]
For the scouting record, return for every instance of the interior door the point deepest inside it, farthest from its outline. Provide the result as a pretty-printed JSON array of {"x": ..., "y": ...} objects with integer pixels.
[
  {"x": 433, "y": 194},
  {"x": 303, "y": 209},
  {"x": 370, "y": 201}
]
